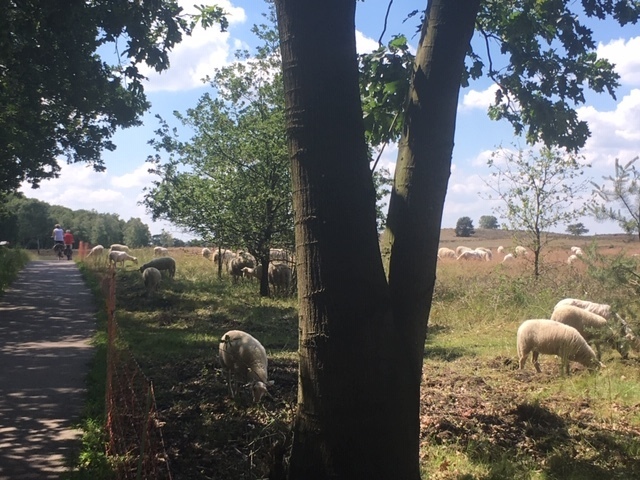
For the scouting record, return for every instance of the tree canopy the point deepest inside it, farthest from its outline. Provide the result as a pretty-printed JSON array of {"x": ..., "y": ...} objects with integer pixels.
[{"x": 58, "y": 97}]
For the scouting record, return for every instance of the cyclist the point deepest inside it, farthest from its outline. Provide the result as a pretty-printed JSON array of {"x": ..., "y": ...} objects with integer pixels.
[
  {"x": 58, "y": 239},
  {"x": 68, "y": 244}
]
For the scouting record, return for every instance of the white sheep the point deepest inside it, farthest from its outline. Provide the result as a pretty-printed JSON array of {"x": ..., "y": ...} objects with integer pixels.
[
  {"x": 590, "y": 325},
  {"x": 152, "y": 278},
  {"x": 553, "y": 338},
  {"x": 117, "y": 247},
  {"x": 244, "y": 359},
  {"x": 471, "y": 255},
  {"x": 224, "y": 256},
  {"x": 577, "y": 251},
  {"x": 248, "y": 272},
  {"x": 237, "y": 263},
  {"x": 206, "y": 253},
  {"x": 461, "y": 249},
  {"x": 280, "y": 254},
  {"x": 485, "y": 253},
  {"x": 520, "y": 250},
  {"x": 96, "y": 251},
  {"x": 160, "y": 251},
  {"x": 601, "y": 309},
  {"x": 572, "y": 259},
  {"x": 445, "y": 252},
  {"x": 116, "y": 257},
  {"x": 500, "y": 249},
  {"x": 161, "y": 263},
  {"x": 508, "y": 258},
  {"x": 279, "y": 278}
]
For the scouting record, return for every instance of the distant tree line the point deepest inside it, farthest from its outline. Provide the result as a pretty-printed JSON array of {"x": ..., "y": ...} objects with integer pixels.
[{"x": 28, "y": 223}]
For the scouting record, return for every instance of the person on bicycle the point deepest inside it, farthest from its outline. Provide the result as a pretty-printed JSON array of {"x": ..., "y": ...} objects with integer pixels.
[
  {"x": 58, "y": 239},
  {"x": 68, "y": 244}
]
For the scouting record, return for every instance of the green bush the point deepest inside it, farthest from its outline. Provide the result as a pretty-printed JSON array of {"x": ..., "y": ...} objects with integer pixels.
[{"x": 11, "y": 262}]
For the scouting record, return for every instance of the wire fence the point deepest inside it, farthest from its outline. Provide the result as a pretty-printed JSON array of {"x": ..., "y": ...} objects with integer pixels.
[{"x": 134, "y": 432}]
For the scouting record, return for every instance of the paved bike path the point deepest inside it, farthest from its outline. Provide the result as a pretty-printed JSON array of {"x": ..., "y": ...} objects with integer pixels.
[{"x": 47, "y": 319}]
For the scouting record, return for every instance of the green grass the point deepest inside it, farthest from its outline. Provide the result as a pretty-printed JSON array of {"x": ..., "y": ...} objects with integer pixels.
[{"x": 481, "y": 417}]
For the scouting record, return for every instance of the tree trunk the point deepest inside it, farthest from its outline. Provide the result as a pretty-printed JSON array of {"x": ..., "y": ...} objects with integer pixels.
[{"x": 361, "y": 338}]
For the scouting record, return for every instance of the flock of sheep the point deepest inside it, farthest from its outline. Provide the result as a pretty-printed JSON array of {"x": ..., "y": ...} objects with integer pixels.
[
  {"x": 238, "y": 265},
  {"x": 567, "y": 333},
  {"x": 482, "y": 253}
]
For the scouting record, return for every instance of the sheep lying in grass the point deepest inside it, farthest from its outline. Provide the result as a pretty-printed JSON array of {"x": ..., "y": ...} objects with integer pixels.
[
  {"x": 591, "y": 326},
  {"x": 152, "y": 278},
  {"x": 245, "y": 360},
  {"x": 601, "y": 309},
  {"x": 116, "y": 257},
  {"x": 161, "y": 263},
  {"x": 552, "y": 338}
]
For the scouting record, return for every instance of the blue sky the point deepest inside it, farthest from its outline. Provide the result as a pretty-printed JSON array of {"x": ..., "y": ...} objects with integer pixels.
[{"x": 615, "y": 124}]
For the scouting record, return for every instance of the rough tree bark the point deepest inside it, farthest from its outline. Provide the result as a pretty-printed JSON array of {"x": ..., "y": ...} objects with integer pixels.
[{"x": 361, "y": 337}]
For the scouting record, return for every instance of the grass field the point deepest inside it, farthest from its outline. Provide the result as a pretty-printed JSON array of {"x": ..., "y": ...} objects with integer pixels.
[{"x": 481, "y": 417}]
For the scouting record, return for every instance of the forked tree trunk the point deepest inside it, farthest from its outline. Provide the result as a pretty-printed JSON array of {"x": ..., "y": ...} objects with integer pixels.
[{"x": 361, "y": 342}]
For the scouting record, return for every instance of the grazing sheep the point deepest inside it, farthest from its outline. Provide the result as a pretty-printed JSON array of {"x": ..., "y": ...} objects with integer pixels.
[
  {"x": 280, "y": 254},
  {"x": 240, "y": 261},
  {"x": 161, "y": 263},
  {"x": 508, "y": 258},
  {"x": 96, "y": 251},
  {"x": 206, "y": 253},
  {"x": 500, "y": 249},
  {"x": 116, "y": 257},
  {"x": 572, "y": 259},
  {"x": 279, "y": 278},
  {"x": 461, "y": 249},
  {"x": 471, "y": 255},
  {"x": 152, "y": 278},
  {"x": 553, "y": 338},
  {"x": 248, "y": 272},
  {"x": 116, "y": 247},
  {"x": 244, "y": 359},
  {"x": 484, "y": 253},
  {"x": 577, "y": 251},
  {"x": 601, "y": 309},
  {"x": 520, "y": 251},
  {"x": 160, "y": 251},
  {"x": 584, "y": 321},
  {"x": 224, "y": 256},
  {"x": 446, "y": 253}
]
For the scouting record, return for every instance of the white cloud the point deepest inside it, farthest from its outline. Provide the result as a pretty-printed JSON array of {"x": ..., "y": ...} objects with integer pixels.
[
  {"x": 198, "y": 55},
  {"x": 615, "y": 133},
  {"x": 365, "y": 44},
  {"x": 624, "y": 54},
  {"x": 79, "y": 187},
  {"x": 479, "y": 99}
]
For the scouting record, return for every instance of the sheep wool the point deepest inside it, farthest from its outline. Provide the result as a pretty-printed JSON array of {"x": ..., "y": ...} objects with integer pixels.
[
  {"x": 161, "y": 263},
  {"x": 244, "y": 359},
  {"x": 601, "y": 309},
  {"x": 152, "y": 278},
  {"x": 578, "y": 318},
  {"x": 553, "y": 338}
]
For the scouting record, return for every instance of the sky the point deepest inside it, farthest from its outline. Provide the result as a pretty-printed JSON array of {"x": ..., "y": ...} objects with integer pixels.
[{"x": 614, "y": 124}]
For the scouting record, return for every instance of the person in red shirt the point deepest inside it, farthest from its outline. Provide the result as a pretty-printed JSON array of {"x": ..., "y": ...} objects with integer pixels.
[{"x": 68, "y": 244}]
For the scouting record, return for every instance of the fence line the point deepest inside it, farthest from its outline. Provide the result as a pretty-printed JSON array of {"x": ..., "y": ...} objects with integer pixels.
[{"x": 134, "y": 435}]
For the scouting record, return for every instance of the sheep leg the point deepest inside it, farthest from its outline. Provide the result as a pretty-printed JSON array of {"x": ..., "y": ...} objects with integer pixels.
[
  {"x": 523, "y": 360},
  {"x": 535, "y": 361}
]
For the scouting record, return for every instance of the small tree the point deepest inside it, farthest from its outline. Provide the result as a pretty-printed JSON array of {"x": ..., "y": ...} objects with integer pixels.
[
  {"x": 539, "y": 192},
  {"x": 489, "y": 222},
  {"x": 464, "y": 227},
  {"x": 577, "y": 229},
  {"x": 624, "y": 189}
]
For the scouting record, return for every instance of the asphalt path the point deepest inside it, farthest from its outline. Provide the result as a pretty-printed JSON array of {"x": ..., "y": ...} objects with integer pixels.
[{"x": 47, "y": 319}]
